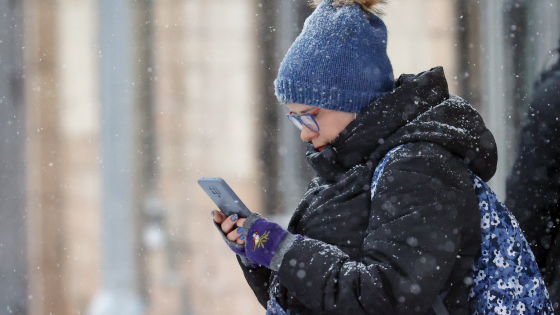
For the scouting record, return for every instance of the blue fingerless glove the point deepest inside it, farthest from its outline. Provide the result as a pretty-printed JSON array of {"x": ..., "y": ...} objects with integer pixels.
[{"x": 266, "y": 242}]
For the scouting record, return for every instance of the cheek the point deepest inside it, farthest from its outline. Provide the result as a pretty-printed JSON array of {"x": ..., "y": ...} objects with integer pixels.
[{"x": 332, "y": 129}]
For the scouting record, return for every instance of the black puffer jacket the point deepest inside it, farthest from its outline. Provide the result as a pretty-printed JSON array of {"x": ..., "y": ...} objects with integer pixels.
[
  {"x": 418, "y": 236},
  {"x": 533, "y": 187}
]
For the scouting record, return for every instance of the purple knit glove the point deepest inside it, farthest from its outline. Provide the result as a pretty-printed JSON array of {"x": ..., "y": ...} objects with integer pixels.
[{"x": 266, "y": 242}]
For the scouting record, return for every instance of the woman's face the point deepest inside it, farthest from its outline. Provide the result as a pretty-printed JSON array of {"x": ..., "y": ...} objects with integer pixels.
[{"x": 331, "y": 123}]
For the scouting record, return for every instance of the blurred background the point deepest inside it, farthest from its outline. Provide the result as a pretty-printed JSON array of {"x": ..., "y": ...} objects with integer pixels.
[{"x": 110, "y": 110}]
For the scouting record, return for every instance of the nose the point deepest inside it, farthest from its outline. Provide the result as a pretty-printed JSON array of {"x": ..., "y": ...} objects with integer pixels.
[{"x": 307, "y": 134}]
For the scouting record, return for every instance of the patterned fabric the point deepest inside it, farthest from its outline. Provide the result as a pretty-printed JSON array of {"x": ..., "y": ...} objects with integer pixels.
[
  {"x": 379, "y": 169},
  {"x": 506, "y": 278},
  {"x": 273, "y": 308}
]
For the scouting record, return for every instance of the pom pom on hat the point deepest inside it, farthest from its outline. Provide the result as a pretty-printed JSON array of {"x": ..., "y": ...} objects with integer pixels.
[
  {"x": 338, "y": 62},
  {"x": 366, "y": 5}
]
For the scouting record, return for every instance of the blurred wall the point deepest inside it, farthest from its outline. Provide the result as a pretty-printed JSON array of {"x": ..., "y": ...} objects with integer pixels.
[
  {"x": 423, "y": 35},
  {"x": 206, "y": 119},
  {"x": 79, "y": 122},
  {"x": 48, "y": 240},
  {"x": 13, "y": 215}
]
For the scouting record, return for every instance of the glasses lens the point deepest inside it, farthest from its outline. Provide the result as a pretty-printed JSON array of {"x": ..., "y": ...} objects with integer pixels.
[
  {"x": 309, "y": 122},
  {"x": 295, "y": 121}
]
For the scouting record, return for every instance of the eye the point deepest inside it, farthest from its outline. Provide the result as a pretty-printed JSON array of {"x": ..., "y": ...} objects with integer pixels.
[{"x": 316, "y": 113}]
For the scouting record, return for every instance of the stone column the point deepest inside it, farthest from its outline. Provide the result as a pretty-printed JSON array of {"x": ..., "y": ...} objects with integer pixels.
[
  {"x": 45, "y": 161},
  {"x": 120, "y": 283},
  {"x": 13, "y": 213}
]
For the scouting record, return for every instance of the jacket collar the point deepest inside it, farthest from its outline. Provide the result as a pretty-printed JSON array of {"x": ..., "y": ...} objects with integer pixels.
[{"x": 418, "y": 109}]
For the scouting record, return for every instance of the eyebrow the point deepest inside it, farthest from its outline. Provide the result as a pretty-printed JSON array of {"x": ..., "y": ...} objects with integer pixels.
[{"x": 305, "y": 111}]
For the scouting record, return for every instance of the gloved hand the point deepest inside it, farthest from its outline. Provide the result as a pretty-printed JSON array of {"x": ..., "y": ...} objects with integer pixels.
[
  {"x": 266, "y": 242},
  {"x": 231, "y": 230}
]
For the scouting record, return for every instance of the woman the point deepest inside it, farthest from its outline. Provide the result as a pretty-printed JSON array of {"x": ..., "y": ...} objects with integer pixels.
[{"x": 345, "y": 252}]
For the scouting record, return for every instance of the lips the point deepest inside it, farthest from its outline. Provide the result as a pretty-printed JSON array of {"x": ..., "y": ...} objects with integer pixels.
[{"x": 320, "y": 148}]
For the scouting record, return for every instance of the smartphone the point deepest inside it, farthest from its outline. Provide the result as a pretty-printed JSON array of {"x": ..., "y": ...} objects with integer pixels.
[{"x": 223, "y": 196}]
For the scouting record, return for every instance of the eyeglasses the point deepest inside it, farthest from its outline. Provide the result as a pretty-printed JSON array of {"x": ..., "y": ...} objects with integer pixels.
[{"x": 306, "y": 119}]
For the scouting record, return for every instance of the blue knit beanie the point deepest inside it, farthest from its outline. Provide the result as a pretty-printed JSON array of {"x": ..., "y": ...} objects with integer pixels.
[{"x": 338, "y": 62}]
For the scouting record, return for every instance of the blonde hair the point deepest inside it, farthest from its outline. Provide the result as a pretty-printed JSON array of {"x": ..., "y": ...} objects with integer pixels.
[{"x": 366, "y": 5}]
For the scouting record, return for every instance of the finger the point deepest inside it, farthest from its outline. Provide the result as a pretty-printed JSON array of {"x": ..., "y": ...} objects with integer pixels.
[
  {"x": 241, "y": 240},
  {"x": 235, "y": 234},
  {"x": 218, "y": 216},
  {"x": 227, "y": 225},
  {"x": 240, "y": 222}
]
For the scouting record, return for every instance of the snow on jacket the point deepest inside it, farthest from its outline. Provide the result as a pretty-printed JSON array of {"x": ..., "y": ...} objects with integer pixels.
[
  {"x": 533, "y": 187},
  {"x": 420, "y": 234}
]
